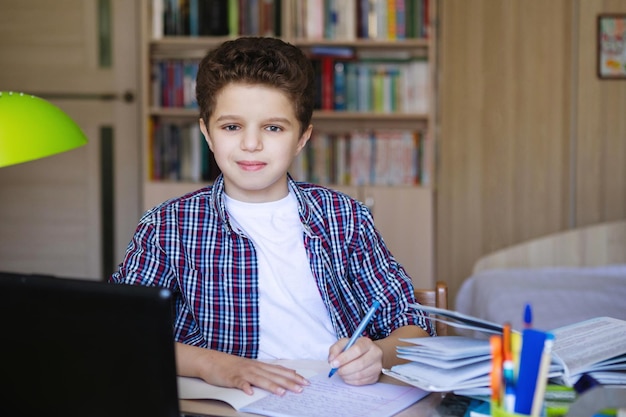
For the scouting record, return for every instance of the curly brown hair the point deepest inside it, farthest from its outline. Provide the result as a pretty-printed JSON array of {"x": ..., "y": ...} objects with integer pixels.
[{"x": 257, "y": 60}]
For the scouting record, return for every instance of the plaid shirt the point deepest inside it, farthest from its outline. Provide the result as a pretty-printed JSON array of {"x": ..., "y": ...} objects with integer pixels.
[{"x": 188, "y": 246}]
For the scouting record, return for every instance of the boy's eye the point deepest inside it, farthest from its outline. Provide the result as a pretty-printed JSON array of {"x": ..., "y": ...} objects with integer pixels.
[
  {"x": 231, "y": 127},
  {"x": 274, "y": 128}
]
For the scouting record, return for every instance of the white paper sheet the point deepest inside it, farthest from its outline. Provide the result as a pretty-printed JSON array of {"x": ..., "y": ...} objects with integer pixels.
[{"x": 333, "y": 397}]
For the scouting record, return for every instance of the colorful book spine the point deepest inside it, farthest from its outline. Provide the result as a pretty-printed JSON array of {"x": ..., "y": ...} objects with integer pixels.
[
  {"x": 400, "y": 19},
  {"x": 391, "y": 20},
  {"x": 340, "y": 84},
  {"x": 352, "y": 86},
  {"x": 328, "y": 71},
  {"x": 362, "y": 18}
]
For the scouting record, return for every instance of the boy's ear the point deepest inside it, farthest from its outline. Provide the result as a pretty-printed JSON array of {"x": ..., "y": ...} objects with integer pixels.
[
  {"x": 205, "y": 132},
  {"x": 304, "y": 139}
]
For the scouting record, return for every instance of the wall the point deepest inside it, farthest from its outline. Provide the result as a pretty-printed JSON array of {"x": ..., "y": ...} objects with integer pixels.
[
  {"x": 530, "y": 141},
  {"x": 600, "y": 121}
]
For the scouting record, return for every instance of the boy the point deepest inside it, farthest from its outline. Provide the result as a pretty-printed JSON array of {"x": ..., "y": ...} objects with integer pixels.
[{"x": 263, "y": 267}]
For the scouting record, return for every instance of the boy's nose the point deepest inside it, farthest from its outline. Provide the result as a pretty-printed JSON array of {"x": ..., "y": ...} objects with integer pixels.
[{"x": 251, "y": 141}]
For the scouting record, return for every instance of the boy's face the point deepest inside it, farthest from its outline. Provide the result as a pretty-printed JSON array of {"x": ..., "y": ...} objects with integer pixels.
[{"x": 254, "y": 135}]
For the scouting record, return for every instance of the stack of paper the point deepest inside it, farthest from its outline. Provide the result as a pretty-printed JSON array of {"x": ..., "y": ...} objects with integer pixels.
[{"x": 444, "y": 363}]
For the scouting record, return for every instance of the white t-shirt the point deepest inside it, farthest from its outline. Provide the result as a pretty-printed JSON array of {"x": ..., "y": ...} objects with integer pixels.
[{"x": 294, "y": 322}]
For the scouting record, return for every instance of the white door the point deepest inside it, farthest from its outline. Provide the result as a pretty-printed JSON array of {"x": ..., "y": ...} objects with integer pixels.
[{"x": 71, "y": 215}]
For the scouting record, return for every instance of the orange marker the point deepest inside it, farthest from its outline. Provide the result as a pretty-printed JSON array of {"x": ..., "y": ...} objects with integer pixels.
[
  {"x": 506, "y": 342},
  {"x": 496, "y": 369}
]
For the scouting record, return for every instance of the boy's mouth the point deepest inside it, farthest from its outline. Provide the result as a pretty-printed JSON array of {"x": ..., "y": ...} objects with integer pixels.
[{"x": 251, "y": 165}]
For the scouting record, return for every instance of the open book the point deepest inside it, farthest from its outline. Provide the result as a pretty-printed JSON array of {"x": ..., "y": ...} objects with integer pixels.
[
  {"x": 459, "y": 363},
  {"x": 596, "y": 346},
  {"x": 325, "y": 396}
]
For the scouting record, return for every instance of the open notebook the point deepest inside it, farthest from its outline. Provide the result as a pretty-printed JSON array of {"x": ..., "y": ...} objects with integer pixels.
[{"x": 83, "y": 348}]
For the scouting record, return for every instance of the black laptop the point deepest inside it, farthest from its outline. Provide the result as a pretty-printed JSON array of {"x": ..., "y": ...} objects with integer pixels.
[{"x": 82, "y": 348}]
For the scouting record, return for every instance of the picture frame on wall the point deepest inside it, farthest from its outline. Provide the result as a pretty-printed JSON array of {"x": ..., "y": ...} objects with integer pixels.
[{"x": 612, "y": 46}]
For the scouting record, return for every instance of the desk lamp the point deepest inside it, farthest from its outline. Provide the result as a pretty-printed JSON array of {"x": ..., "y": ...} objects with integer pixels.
[{"x": 32, "y": 128}]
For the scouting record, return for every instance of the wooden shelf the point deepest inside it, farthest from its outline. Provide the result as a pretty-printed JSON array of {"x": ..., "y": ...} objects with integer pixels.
[
  {"x": 364, "y": 43},
  {"x": 318, "y": 114},
  {"x": 184, "y": 46},
  {"x": 196, "y": 46}
]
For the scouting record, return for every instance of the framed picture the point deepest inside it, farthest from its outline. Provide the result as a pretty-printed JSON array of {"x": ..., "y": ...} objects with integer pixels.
[{"x": 612, "y": 46}]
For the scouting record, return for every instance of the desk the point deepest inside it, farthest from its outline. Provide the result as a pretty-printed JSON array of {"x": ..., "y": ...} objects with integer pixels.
[{"x": 427, "y": 407}]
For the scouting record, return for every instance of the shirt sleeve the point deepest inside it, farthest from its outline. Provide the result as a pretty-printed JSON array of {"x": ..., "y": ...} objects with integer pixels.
[
  {"x": 378, "y": 275},
  {"x": 146, "y": 263}
]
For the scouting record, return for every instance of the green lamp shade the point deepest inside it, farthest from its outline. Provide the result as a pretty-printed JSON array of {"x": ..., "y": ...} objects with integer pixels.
[{"x": 32, "y": 128}]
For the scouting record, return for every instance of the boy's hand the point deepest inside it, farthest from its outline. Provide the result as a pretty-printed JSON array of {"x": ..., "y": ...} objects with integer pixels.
[
  {"x": 244, "y": 373},
  {"x": 361, "y": 364},
  {"x": 225, "y": 370}
]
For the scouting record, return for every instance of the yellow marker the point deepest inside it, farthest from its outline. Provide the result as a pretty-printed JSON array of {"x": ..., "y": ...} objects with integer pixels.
[{"x": 516, "y": 348}]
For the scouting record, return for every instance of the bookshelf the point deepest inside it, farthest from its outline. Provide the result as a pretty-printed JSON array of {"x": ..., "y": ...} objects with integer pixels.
[{"x": 373, "y": 125}]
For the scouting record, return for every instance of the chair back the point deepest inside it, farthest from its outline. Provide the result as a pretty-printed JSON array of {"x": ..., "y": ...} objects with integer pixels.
[{"x": 437, "y": 297}]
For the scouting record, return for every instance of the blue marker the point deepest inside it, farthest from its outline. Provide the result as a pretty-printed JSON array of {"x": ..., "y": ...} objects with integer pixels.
[
  {"x": 359, "y": 330},
  {"x": 528, "y": 316},
  {"x": 530, "y": 360}
]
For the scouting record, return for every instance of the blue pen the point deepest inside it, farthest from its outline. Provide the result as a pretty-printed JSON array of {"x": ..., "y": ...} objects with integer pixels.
[{"x": 359, "y": 330}]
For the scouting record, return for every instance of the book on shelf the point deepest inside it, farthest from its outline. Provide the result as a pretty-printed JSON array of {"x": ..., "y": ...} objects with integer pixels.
[
  {"x": 339, "y": 97},
  {"x": 330, "y": 396},
  {"x": 327, "y": 80},
  {"x": 210, "y": 17},
  {"x": 343, "y": 20},
  {"x": 320, "y": 154},
  {"x": 215, "y": 18},
  {"x": 370, "y": 83},
  {"x": 362, "y": 157},
  {"x": 179, "y": 153},
  {"x": 460, "y": 363},
  {"x": 173, "y": 83},
  {"x": 347, "y": 20},
  {"x": 312, "y": 14},
  {"x": 362, "y": 144},
  {"x": 330, "y": 77},
  {"x": 325, "y": 19}
]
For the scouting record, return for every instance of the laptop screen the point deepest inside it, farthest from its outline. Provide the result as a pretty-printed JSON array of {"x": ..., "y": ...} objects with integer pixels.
[{"x": 84, "y": 348}]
